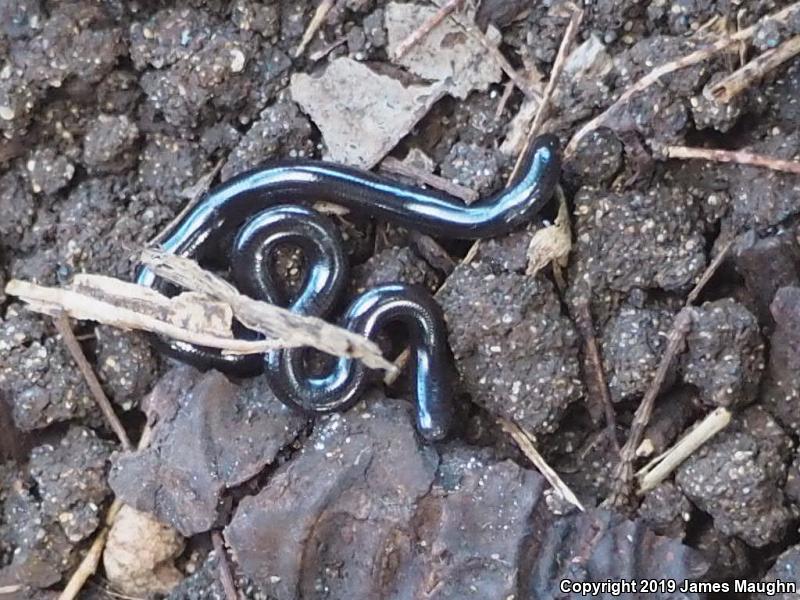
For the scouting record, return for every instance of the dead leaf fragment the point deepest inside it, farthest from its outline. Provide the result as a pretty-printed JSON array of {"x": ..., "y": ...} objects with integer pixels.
[
  {"x": 361, "y": 123},
  {"x": 446, "y": 54},
  {"x": 552, "y": 243}
]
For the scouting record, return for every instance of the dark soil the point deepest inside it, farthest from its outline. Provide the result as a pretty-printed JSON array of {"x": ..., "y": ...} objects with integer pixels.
[{"x": 110, "y": 115}]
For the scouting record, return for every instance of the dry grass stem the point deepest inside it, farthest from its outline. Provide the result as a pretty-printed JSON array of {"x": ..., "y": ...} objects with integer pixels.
[
  {"x": 10, "y": 589},
  {"x": 88, "y": 566},
  {"x": 129, "y": 306},
  {"x": 709, "y": 272},
  {"x": 398, "y": 167},
  {"x": 623, "y": 473},
  {"x": 150, "y": 314},
  {"x": 526, "y": 444},
  {"x": 289, "y": 328},
  {"x": 681, "y": 325},
  {"x": 225, "y": 575},
  {"x": 597, "y": 376},
  {"x": 570, "y": 33}
]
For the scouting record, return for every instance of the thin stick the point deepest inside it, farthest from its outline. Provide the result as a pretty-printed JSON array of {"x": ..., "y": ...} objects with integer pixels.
[
  {"x": 64, "y": 328},
  {"x": 472, "y": 30},
  {"x": 685, "y": 61},
  {"x": 195, "y": 193},
  {"x": 398, "y": 167},
  {"x": 734, "y": 156},
  {"x": 526, "y": 444},
  {"x": 501, "y": 105},
  {"x": 741, "y": 79},
  {"x": 313, "y": 26},
  {"x": 623, "y": 474},
  {"x": 709, "y": 272},
  {"x": 543, "y": 111},
  {"x": 660, "y": 468},
  {"x": 130, "y": 306},
  {"x": 91, "y": 561},
  {"x": 225, "y": 576},
  {"x": 429, "y": 25},
  {"x": 83, "y": 307},
  {"x": 323, "y": 52},
  {"x": 681, "y": 325},
  {"x": 10, "y": 589},
  {"x": 595, "y": 369}
]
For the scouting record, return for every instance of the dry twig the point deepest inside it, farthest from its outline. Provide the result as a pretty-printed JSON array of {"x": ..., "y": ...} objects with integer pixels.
[
  {"x": 734, "y": 156},
  {"x": 129, "y": 306},
  {"x": 709, "y": 272},
  {"x": 526, "y": 444},
  {"x": 681, "y": 325},
  {"x": 150, "y": 311},
  {"x": 225, "y": 575},
  {"x": 313, "y": 26},
  {"x": 91, "y": 560},
  {"x": 570, "y": 33},
  {"x": 398, "y": 167},
  {"x": 623, "y": 474},
  {"x": 674, "y": 65},
  {"x": 64, "y": 328},
  {"x": 10, "y": 589},
  {"x": 662, "y": 466},
  {"x": 594, "y": 368},
  {"x": 429, "y": 25},
  {"x": 741, "y": 79}
]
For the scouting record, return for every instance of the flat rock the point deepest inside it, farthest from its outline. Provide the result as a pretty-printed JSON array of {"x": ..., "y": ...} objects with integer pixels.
[
  {"x": 347, "y": 498},
  {"x": 766, "y": 265},
  {"x": 446, "y": 54},
  {"x": 209, "y": 435},
  {"x": 366, "y": 511},
  {"x": 361, "y": 124}
]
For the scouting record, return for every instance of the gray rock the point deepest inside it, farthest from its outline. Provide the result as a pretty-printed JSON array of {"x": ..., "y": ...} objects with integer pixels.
[{"x": 210, "y": 435}]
